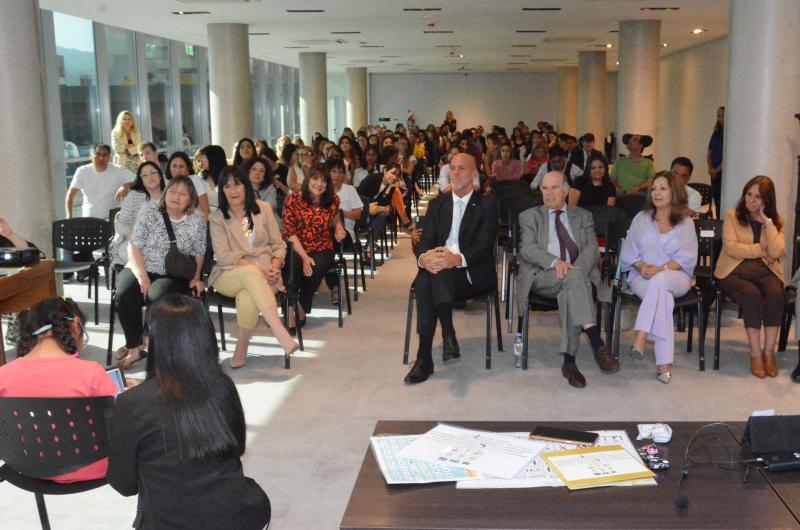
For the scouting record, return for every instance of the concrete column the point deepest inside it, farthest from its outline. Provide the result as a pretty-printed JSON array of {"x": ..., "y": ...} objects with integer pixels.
[
  {"x": 761, "y": 133},
  {"x": 637, "y": 80},
  {"x": 356, "y": 97},
  {"x": 592, "y": 93},
  {"x": 229, "y": 84},
  {"x": 27, "y": 197},
  {"x": 568, "y": 99},
  {"x": 313, "y": 95}
]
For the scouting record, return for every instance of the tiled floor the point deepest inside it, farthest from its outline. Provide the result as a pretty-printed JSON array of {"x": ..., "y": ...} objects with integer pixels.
[{"x": 308, "y": 427}]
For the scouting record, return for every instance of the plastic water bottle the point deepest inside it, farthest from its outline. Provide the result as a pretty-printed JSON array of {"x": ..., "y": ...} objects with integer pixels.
[{"x": 518, "y": 351}]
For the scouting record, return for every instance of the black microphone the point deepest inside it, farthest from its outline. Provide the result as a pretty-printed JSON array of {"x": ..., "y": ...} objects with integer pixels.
[{"x": 682, "y": 501}]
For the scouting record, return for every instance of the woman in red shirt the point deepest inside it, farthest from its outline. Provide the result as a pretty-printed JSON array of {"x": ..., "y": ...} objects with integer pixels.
[
  {"x": 48, "y": 338},
  {"x": 308, "y": 217}
]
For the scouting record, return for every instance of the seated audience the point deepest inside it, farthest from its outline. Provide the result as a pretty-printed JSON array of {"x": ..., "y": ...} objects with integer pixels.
[
  {"x": 634, "y": 173},
  {"x": 557, "y": 161},
  {"x": 250, "y": 254},
  {"x": 259, "y": 174},
  {"x": 295, "y": 174},
  {"x": 370, "y": 165},
  {"x": 145, "y": 278},
  {"x": 177, "y": 439},
  {"x": 559, "y": 259},
  {"x": 750, "y": 272},
  {"x": 146, "y": 190},
  {"x": 660, "y": 254},
  {"x": 308, "y": 217},
  {"x": 444, "y": 173},
  {"x": 245, "y": 150},
  {"x": 682, "y": 167},
  {"x": 9, "y": 238},
  {"x": 126, "y": 139},
  {"x": 586, "y": 151},
  {"x": 536, "y": 159},
  {"x": 179, "y": 165},
  {"x": 48, "y": 339},
  {"x": 350, "y": 205},
  {"x": 456, "y": 262},
  {"x": 594, "y": 187},
  {"x": 507, "y": 169},
  {"x": 98, "y": 182},
  {"x": 212, "y": 162}
]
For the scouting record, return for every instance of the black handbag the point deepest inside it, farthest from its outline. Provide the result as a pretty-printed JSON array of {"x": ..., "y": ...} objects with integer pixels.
[{"x": 178, "y": 265}]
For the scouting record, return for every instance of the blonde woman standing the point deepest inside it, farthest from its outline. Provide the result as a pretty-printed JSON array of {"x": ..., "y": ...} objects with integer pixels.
[{"x": 125, "y": 138}]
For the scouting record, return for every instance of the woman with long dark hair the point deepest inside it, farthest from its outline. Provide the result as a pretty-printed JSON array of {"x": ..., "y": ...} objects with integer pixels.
[
  {"x": 714, "y": 158},
  {"x": 245, "y": 150},
  {"x": 750, "y": 270},
  {"x": 212, "y": 161},
  {"x": 177, "y": 438}
]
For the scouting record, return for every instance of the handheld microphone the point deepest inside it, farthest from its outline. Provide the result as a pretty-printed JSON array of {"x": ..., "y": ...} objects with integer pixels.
[{"x": 682, "y": 501}]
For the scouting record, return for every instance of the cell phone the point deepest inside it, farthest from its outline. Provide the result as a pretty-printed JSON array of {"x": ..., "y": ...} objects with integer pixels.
[
  {"x": 554, "y": 434},
  {"x": 119, "y": 379}
]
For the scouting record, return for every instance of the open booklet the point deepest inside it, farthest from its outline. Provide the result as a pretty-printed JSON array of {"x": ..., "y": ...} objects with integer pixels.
[{"x": 399, "y": 470}]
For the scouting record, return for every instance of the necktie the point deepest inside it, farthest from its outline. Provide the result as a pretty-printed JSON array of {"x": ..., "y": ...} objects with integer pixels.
[
  {"x": 565, "y": 242},
  {"x": 458, "y": 213}
]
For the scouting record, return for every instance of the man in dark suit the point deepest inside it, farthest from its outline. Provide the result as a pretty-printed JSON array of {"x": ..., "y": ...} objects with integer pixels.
[
  {"x": 559, "y": 259},
  {"x": 456, "y": 261},
  {"x": 586, "y": 151}
]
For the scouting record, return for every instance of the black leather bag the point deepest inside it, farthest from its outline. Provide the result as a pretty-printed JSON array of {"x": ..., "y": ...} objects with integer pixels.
[{"x": 178, "y": 265}]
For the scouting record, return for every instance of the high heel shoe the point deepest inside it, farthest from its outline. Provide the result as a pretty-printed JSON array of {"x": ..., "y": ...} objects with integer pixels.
[
  {"x": 664, "y": 377},
  {"x": 287, "y": 354},
  {"x": 236, "y": 365},
  {"x": 770, "y": 365},
  {"x": 636, "y": 353},
  {"x": 757, "y": 366}
]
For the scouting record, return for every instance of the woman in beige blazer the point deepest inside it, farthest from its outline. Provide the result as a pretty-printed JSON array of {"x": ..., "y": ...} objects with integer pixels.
[
  {"x": 126, "y": 139},
  {"x": 749, "y": 269},
  {"x": 249, "y": 252}
]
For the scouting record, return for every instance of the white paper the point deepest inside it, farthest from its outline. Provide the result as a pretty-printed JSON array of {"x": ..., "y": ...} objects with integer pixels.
[
  {"x": 492, "y": 454},
  {"x": 399, "y": 470}
]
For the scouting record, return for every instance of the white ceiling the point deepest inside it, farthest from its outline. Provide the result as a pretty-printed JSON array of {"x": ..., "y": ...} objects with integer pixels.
[{"x": 486, "y": 32}]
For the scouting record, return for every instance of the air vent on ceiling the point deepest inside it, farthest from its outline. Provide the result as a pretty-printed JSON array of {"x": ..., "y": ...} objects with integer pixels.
[
  {"x": 531, "y": 31},
  {"x": 659, "y": 8},
  {"x": 413, "y": 9},
  {"x": 305, "y": 10},
  {"x": 258, "y": 34},
  {"x": 371, "y": 46},
  {"x": 391, "y": 56},
  {"x": 448, "y": 46},
  {"x": 191, "y": 12},
  {"x": 568, "y": 40},
  {"x": 523, "y": 45},
  {"x": 345, "y": 32},
  {"x": 319, "y": 42},
  {"x": 438, "y": 31},
  {"x": 538, "y": 60},
  {"x": 541, "y": 9}
]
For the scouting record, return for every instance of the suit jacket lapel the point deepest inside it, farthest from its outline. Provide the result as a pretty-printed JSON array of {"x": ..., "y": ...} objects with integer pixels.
[
  {"x": 236, "y": 229},
  {"x": 469, "y": 213},
  {"x": 572, "y": 215},
  {"x": 446, "y": 218}
]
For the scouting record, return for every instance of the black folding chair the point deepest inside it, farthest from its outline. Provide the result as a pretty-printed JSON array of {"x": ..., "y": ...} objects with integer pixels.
[
  {"x": 86, "y": 235},
  {"x": 706, "y": 193},
  {"x": 47, "y": 437}
]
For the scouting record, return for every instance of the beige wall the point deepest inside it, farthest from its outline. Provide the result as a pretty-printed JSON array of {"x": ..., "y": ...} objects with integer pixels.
[{"x": 692, "y": 86}]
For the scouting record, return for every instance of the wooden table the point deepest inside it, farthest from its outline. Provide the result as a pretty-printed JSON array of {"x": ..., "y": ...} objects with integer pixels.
[
  {"x": 23, "y": 289},
  {"x": 718, "y": 499}
]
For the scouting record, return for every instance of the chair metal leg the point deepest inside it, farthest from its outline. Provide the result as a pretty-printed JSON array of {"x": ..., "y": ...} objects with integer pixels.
[
  {"x": 361, "y": 264},
  {"x": 498, "y": 325},
  {"x": 409, "y": 316},
  {"x": 617, "y": 324},
  {"x": 701, "y": 332},
  {"x": 346, "y": 287},
  {"x": 43, "y": 519},
  {"x": 504, "y": 275},
  {"x": 689, "y": 337},
  {"x": 510, "y": 302},
  {"x": 297, "y": 323},
  {"x": 525, "y": 324},
  {"x": 609, "y": 321},
  {"x": 96, "y": 295},
  {"x": 489, "y": 304},
  {"x": 717, "y": 327},
  {"x": 221, "y": 326},
  {"x": 111, "y": 317},
  {"x": 356, "y": 260},
  {"x": 786, "y": 324}
]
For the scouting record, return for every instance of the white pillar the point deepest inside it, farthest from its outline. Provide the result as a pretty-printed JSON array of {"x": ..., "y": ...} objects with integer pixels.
[
  {"x": 25, "y": 180},
  {"x": 229, "y": 84},
  {"x": 761, "y": 133},
  {"x": 592, "y": 93},
  {"x": 637, "y": 80},
  {"x": 356, "y": 97},
  {"x": 568, "y": 99},
  {"x": 313, "y": 95}
]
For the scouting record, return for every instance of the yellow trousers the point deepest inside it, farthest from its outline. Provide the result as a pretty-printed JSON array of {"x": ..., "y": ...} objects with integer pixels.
[{"x": 253, "y": 293}]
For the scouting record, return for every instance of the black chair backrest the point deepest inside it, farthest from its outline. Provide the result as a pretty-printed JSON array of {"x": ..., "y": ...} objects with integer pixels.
[
  {"x": 44, "y": 437},
  {"x": 632, "y": 203},
  {"x": 616, "y": 231},
  {"x": 709, "y": 245},
  {"x": 81, "y": 234},
  {"x": 705, "y": 191},
  {"x": 364, "y": 221}
]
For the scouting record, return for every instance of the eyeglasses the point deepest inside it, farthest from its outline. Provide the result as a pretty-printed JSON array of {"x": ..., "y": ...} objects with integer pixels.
[{"x": 307, "y": 154}]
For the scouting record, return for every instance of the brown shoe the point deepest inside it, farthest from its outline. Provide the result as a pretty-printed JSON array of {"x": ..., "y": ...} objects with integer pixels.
[
  {"x": 757, "y": 366},
  {"x": 605, "y": 360},
  {"x": 771, "y": 365},
  {"x": 573, "y": 375}
]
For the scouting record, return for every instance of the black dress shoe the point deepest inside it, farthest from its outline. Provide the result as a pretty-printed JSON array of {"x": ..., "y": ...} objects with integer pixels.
[
  {"x": 450, "y": 349},
  {"x": 420, "y": 372},
  {"x": 796, "y": 374},
  {"x": 574, "y": 376}
]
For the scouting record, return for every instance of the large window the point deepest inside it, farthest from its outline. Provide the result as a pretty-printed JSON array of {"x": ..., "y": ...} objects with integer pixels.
[
  {"x": 276, "y": 101},
  {"x": 77, "y": 80},
  {"x": 188, "y": 66},
  {"x": 122, "y": 79},
  {"x": 159, "y": 87}
]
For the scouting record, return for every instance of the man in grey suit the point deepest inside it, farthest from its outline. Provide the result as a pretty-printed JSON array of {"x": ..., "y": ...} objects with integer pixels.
[{"x": 559, "y": 259}]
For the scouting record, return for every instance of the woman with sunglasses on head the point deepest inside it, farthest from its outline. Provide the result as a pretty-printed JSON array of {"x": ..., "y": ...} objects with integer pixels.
[
  {"x": 48, "y": 338},
  {"x": 146, "y": 191}
]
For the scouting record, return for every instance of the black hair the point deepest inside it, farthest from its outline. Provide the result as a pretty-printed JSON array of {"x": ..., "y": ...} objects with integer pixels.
[
  {"x": 332, "y": 163},
  {"x": 683, "y": 161},
  {"x": 215, "y": 155},
  {"x": 93, "y": 149},
  {"x": 335, "y": 149},
  {"x": 269, "y": 175},
  {"x": 718, "y": 128},
  {"x": 373, "y": 148},
  {"x": 176, "y": 181},
  {"x": 288, "y": 151},
  {"x": 587, "y": 170},
  {"x": 237, "y": 158},
  {"x": 238, "y": 176},
  {"x": 387, "y": 153},
  {"x": 268, "y": 153},
  {"x": 186, "y": 160},
  {"x": 138, "y": 183},
  {"x": 318, "y": 170},
  {"x": 56, "y": 312},
  {"x": 184, "y": 361},
  {"x": 556, "y": 152}
]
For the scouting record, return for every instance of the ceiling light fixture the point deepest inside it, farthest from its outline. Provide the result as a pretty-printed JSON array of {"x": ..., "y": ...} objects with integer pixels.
[
  {"x": 345, "y": 32},
  {"x": 296, "y": 47},
  {"x": 698, "y": 31},
  {"x": 520, "y": 55},
  {"x": 416, "y": 9},
  {"x": 391, "y": 56},
  {"x": 523, "y": 45},
  {"x": 617, "y": 63},
  {"x": 609, "y": 45},
  {"x": 258, "y": 34},
  {"x": 305, "y": 10},
  {"x": 461, "y": 55},
  {"x": 660, "y": 8},
  {"x": 438, "y": 31},
  {"x": 531, "y": 31},
  {"x": 665, "y": 45},
  {"x": 448, "y": 46},
  {"x": 191, "y": 12},
  {"x": 614, "y": 31},
  {"x": 541, "y": 9},
  {"x": 371, "y": 46}
]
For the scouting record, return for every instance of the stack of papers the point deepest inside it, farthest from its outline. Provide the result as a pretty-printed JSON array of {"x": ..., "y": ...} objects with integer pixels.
[
  {"x": 399, "y": 470},
  {"x": 590, "y": 467}
]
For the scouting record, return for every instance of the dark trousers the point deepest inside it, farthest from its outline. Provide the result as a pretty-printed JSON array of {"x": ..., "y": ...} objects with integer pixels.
[
  {"x": 331, "y": 278},
  {"x": 716, "y": 187},
  {"x": 308, "y": 285},
  {"x": 130, "y": 301},
  {"x": 435, "y": 290},
  {"x": 758, "y": 292}
]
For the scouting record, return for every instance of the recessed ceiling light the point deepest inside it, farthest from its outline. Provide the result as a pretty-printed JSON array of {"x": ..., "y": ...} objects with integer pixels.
[
  {"x": 371, "y": 46},
  {"x": 609, "y": 45},
  {"x": 422, "y": 9},
  {"x": 448, "y": 46},
  {"x": 259, "y": 33},
  {"x": 660, "y": 8},
  {"x": 345, "y": 32},
  {"x": 617, "y": 63},
  {"x": 523, "y": 45},
  {"x": 391, "y": 56},
  {"x": 461, "y": 55},
  {"x": 531, "y": 31},
  {"x": 541, "y": 9},
  {"x": 698, "y": 31},
  {"x": 305, "y": 10},
  {"x": 296, "y": 47},
  {"x": 191, "y": 12},
  {"x": 665, "y": 45},
  {"x": 438, "y": 31}
]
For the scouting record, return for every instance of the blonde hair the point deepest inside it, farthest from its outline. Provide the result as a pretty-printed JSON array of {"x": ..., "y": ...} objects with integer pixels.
[{"x": 119, "y": 130}]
